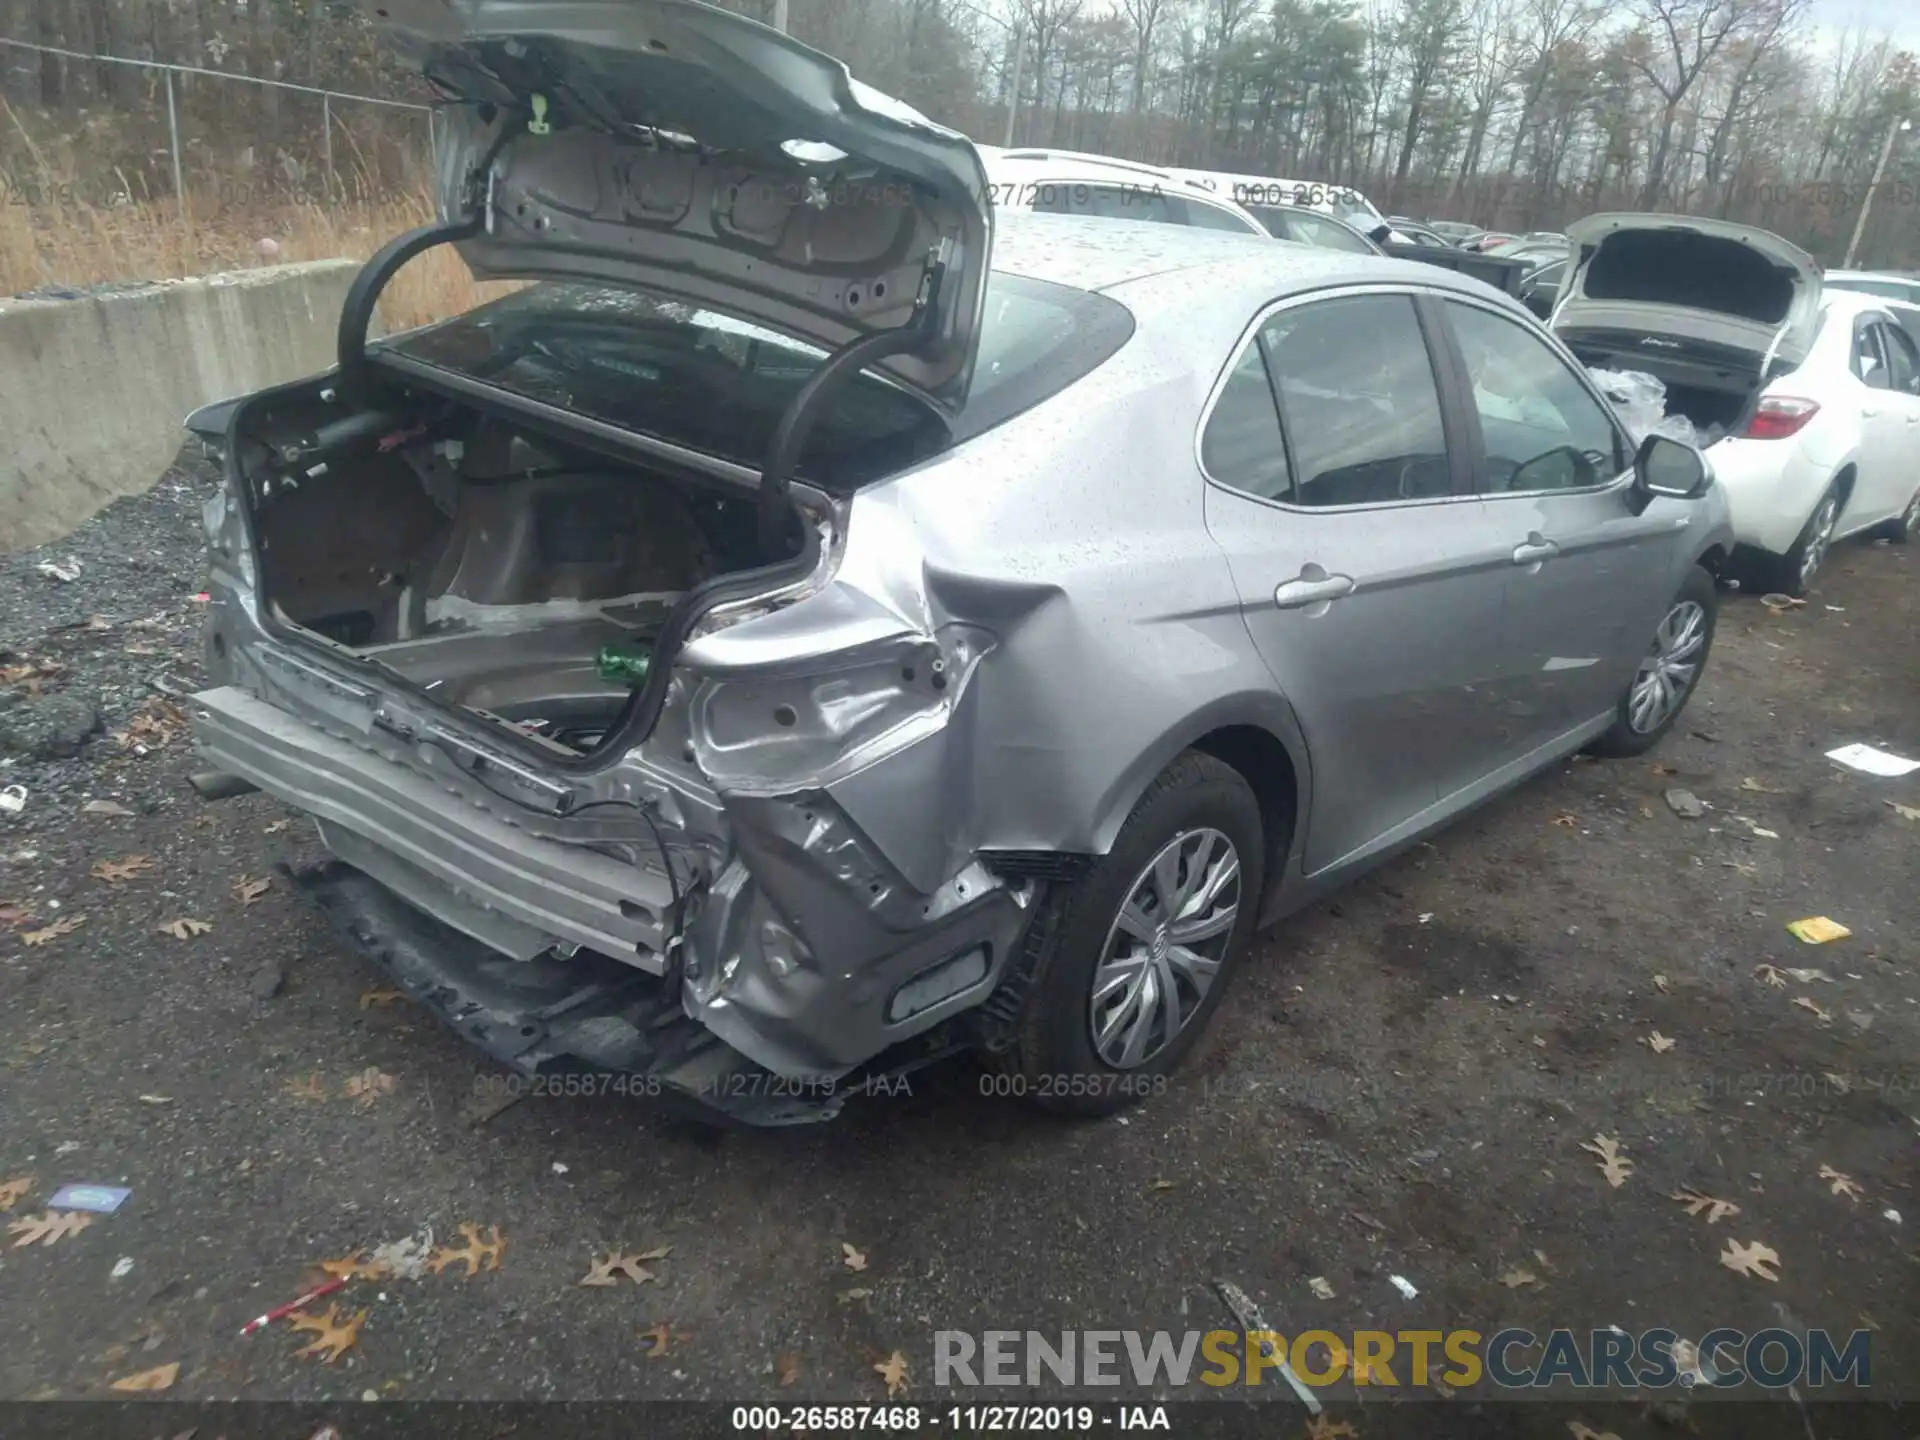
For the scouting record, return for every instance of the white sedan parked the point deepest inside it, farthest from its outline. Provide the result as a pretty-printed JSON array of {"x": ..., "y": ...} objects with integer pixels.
[
  {"x": 1815, "y": 390},
  {"x": 1833, "y": 446}
]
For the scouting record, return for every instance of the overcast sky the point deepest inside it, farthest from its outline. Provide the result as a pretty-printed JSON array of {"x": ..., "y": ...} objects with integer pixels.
[{"x": 1898, "y": 18}]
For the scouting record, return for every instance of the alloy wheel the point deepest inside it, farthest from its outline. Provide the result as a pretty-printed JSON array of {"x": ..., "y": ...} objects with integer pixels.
[
  {"x": 1165, "y": 948},
  {"x": 1671, "y": 666},
  {"x": 1818, "y": 542}
]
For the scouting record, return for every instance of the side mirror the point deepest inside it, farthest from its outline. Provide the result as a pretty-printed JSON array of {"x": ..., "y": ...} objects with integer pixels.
[{"x": 1666, "y": 467}]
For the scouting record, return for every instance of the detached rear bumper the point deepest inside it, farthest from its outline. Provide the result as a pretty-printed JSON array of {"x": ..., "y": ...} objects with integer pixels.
[{"x": 549, "y": 1018}]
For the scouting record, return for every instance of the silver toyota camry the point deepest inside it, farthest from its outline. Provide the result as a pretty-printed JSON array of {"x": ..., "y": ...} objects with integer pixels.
[{"x": 812, "y": 628}]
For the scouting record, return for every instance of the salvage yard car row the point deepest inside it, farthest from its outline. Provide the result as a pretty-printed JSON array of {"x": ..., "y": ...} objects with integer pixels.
[{"x": 796, "y": 639}]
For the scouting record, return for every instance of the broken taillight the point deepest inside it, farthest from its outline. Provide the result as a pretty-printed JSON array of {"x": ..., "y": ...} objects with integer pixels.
[{"x": 1779, "y": 416}]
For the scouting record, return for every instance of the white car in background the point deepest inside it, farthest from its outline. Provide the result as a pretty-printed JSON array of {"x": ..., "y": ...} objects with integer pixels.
[
  {"x": 1340, "y": 201},
  {"x": 1808, "y": 397},
  {"x": 1067, "y": 182}
]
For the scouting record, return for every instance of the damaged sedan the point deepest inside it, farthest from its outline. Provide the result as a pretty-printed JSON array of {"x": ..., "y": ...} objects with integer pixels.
[{"x": 809, "y": 629}]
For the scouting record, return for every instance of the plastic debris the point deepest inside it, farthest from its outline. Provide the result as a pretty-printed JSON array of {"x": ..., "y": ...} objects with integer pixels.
[
  {"x": 65, "y": 571},
  {"x": 1817, "y": 930},
  {"x": 1320, "y": 1288},
  {"x": 105, "y": 807},
  {"x": 1890, "y": 1214},
  {"x": 1253, "y": 1323},
  {"x": 123, "y": 1267},
  {"x": 13, "y": 799},
  {"x": 1779, "y": 603},
  {"x": 406, "y": 1258},
  {"x": 1685, "y": 804},
  {"x": 1641, "y": 400},
  {"x": 1869, "y": 761},
  {"x": 1403, "y": 1285},
  {"x": 101, "y": 1199},
  {"x": 260, "y": 1322}
]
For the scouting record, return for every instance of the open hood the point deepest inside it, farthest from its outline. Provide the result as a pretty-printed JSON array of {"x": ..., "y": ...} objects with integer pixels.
[
  {"x": 1676, "y": 278},
  {"x": 703, "y": 156}
]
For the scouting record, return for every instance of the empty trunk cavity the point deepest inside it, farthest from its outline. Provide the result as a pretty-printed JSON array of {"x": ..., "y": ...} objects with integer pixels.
[{"x": 496, "y": 570}]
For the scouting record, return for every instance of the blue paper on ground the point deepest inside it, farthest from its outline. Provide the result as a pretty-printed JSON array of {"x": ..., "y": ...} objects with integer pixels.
[{"x": 103, "y": 1199}]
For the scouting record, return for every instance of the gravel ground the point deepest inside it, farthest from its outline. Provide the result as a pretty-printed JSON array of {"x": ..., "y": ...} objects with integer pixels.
[{"x": 1404, "y": 1084}]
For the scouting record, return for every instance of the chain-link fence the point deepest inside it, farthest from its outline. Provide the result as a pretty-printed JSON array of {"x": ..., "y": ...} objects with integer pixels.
[{"x": 321, "y": 171}]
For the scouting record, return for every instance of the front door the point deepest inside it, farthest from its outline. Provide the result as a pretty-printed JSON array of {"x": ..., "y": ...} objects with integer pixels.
[
  {"x": 1370, "y": 582},
  {"x": 1587, "y": 577}
]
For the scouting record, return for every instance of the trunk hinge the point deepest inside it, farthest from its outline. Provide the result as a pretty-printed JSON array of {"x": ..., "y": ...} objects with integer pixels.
[{"x": 797, "y": 420}]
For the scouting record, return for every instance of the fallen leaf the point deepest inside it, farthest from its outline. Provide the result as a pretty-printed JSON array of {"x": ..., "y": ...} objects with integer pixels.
[
  {"x": 1757, "y": 788},
  {"x": 1750, "y": 1259},
  {"x": 1698, "y": 1204},
  {"x": 893, "y": 1370},
  {"x": 1587, "y": 1432},
  {"x": 12, "y": 1192},
  {"x": 1646, "y": 812},
  {"x": 247, "y": 891},
  {"x": 1841, "y": 1184},
  {"x": 1320, "y": 1288},
  {"x": 477, "y": 1254},
  {"x": 161, "y": 1377},
  {"x": 369, "y": 1085},
  {"x": 1565, "y": 821},
  {"x": 333, "y": 1334},
  {"x": 371, "y": 998},
  {"x": 52, "y": 1226},
  {"x": 309, "y": 1088},
  {"x": 155, "y": 1099},
  {"x": 1517, "y": 1277},
  {"x": 1319, "y": 1427},
  {"x": 1660, "y": 983},
  {"x": 659, "y": 1337},
  {"x": 185, "y": 928},
  {"x": 1841, "y": 1085},
  {"x": 852, "y": 1258},
  {"x": 106, "y": 807},
  {"x": 1905, "y": 812},
  {"x": 54, "y": 931},
  {"x": 786, "y": 1367},
  {"x": 1807, "y": 1002},
  {"x": 118, "y": 871},
  {"x": 276, "y": 827},
  {"x": 1162, "y": 1185},
  {"x": 855, "y": 1295},
  {"x": 1657, "y": 768},
  {"x": 154, "y": 724},
  {"x": 1614, "y": 1165},
  {"x": 353, "y": 1267},
  {"x": 1658, "y": 1043},
  {"x": 659, "y": 1252},
  {"x": 1770, "y": 975},
  {"x": 1808, "y": 976},
  {"x": 602, "y": 1272}
]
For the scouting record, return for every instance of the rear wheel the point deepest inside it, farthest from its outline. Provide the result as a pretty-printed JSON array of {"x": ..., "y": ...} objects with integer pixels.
[
  {"x": 1668, "y": 672},
  {"x": 1137, "y": 953},
  {"x": 1792, "y": 573}
]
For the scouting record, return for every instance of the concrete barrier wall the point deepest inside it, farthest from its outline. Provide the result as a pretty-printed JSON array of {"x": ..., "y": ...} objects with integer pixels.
[{"x": 93, "y": 390}]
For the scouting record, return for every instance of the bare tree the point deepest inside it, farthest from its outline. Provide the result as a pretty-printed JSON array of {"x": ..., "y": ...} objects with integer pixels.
[{"x": 1684, "y": 38}]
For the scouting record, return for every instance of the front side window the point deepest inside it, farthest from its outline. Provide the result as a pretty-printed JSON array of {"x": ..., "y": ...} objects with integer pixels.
[
  {"x": 1542, "y": 429},
  {"x": 1358, "y": 401}
]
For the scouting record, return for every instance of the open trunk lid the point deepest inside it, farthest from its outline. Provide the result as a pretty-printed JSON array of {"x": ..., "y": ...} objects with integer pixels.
[
  {"x": 708, "y": 158},
  {"x": 1673, "y": 286}
]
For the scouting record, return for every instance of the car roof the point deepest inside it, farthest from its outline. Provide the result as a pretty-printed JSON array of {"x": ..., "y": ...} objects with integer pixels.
[
  {"x": 1104, "y": 255},
  {"x": 1851, "y": 303}
]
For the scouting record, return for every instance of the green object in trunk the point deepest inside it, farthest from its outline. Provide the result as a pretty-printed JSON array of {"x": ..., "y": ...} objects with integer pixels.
[{"x": 624, "y": 664}]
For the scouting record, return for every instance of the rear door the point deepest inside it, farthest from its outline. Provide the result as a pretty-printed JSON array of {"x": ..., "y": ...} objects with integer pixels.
[
  {"x": 1369, "y": 577},
  {"x": 1891, "y": 415},
  {"x": 1586, "y": 577}
]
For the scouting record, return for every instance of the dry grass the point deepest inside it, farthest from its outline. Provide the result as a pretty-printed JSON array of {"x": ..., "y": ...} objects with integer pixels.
[{"x": 69, "y": 242}]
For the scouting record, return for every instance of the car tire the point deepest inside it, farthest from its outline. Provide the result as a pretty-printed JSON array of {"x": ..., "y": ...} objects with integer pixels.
[
  {"x": 1904, "y": 528},
  {"x": 1793, "y": 573},
  {"x": 1056, "y": 1059},
  {"x": 1684, "y": 637}
]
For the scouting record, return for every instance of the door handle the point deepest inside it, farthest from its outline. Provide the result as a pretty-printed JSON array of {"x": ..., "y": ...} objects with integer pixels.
[
  {"x": 1533, "y": 550},
  {"x": 1313, "y": 586}
]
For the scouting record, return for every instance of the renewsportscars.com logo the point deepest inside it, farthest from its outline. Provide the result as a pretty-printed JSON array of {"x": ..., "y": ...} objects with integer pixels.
[{"x": 1511, "y": 1359}]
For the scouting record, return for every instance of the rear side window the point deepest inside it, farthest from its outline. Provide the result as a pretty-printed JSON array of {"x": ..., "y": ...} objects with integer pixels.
[
  {"x": 1869, "y": 364},
  {"x": 1110, "y": 202},
  {"x": 1359, "y": 409},
  {"x": 1903, "y": 357},
  {"x": 1327, "y": 234}
]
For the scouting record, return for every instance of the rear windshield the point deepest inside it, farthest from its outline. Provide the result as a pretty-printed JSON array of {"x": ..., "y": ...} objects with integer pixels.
[
  {"x": 718, "y": 385},
  {"x": 1700, "y": 272},
  {"x": 1886, "y": 289}
]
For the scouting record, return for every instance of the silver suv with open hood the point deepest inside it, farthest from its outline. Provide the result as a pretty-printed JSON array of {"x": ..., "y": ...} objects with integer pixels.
[{"x": 776, "y": 647}]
